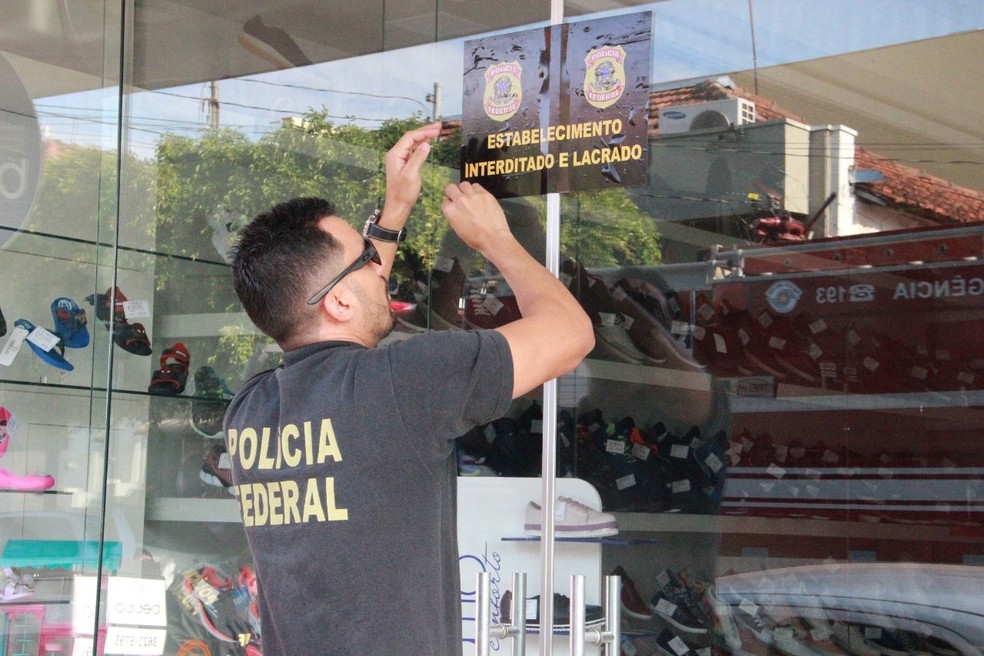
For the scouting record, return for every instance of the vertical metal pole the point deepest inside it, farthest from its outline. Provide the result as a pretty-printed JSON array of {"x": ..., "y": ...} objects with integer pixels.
[
  {"x": 577, "y": 615},
  {"x": 549, "y": 460},
  {"x": 613, "y": 615},
  {"x": 549, "y": 450},
  {"x": 519, "y": 614},
  {"x": 483, "y": 627}
]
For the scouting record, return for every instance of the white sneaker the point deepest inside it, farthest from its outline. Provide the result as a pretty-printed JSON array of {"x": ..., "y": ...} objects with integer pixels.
[{"x": 571, "y": 519}]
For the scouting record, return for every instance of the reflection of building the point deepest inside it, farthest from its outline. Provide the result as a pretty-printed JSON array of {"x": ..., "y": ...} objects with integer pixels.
[
  {"x": 738, "y": 155},
  {"x": 803, "y": 330}
]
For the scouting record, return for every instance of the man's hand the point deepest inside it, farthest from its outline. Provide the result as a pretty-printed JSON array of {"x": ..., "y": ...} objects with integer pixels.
[
  {"x": 554, "y": 334},
  {"x": 403, "y": 163},
  {"x": 475, "y": 216}
]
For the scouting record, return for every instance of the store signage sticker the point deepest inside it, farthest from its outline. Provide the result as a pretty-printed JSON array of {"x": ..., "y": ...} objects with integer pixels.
[
  {"x": 20, "y": 153},
  {"x": 558, "y": 109},
  {"x": 136, "y": 601},
  {"x": 135, "y": 642}
]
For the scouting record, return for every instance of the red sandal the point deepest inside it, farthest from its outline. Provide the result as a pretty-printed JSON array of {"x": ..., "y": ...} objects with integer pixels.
[
  {"x": 102, "y": 304},
  {"x": 171, "y": 377},
  {"x": 110, "y": 313},
  {"x": 132, "y": 338}
]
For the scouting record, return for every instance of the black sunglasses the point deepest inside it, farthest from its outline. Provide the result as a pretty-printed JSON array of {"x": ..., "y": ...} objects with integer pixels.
[{"x": 369, "y": 254}]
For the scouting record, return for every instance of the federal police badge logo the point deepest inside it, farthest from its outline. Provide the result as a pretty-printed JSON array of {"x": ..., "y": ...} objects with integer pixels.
[
  {"x": 783, "y": 296},
  {"x": 604, "y": 76},
  {"x": 503, "y": 90}
]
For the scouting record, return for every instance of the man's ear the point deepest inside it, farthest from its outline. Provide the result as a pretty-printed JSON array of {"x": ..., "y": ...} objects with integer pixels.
[{"x": 338, "y": 303}]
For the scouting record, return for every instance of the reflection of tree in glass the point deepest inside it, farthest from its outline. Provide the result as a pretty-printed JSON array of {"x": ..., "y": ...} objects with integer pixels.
[{"x": 169, "y": 207}]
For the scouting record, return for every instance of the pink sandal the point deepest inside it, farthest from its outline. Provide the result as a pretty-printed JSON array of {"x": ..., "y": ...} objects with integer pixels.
[
  {"x": 11, "y": 481},
  {"x": 27, "y": 483}
]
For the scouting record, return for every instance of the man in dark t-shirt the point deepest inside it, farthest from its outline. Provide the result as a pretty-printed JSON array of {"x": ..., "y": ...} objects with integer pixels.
[{"x": 343, "y": 458}]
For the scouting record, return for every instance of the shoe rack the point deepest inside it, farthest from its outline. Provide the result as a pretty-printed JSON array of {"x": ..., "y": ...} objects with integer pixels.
[
  {"x": 124, "y": 458},
  {"x": 80, "y": 418},
  {"x": 853, "y": 413}
]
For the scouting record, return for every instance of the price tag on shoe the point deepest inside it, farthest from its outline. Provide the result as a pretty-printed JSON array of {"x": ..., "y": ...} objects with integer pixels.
[
  {"x": 625, "y": 482},
  {"x": 136, "y": 309},
  {"x": 12, "y": 346},
  {"x": 615, "y": 446},
  {"x": 43, "y": 338}
]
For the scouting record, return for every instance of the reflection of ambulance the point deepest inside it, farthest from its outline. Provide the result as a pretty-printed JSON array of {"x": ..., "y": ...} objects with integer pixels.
[
  {"x": 859, "y": 608},
  {"x": 856, "y": 368}
]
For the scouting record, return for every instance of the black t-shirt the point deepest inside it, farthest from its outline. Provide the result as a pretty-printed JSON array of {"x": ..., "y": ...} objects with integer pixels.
[{"x": 344, "y": 467}]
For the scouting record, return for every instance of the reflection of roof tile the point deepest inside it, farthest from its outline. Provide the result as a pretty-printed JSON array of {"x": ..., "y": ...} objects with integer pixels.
[
  {"x": 909, "y": 189},
  {"x": 902, "y": 188}
]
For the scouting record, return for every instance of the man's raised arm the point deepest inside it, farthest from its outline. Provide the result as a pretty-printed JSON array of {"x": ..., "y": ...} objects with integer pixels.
[{"x": 554, "y": 333}]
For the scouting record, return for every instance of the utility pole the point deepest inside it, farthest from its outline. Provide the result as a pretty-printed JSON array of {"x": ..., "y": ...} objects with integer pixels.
[
  {"x": 435, "y": 100},
  {"x": 213, "y": 106}
]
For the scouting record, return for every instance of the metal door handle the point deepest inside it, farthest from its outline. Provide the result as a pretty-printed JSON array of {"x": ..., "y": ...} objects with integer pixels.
[
  {"x": 610, "y": 635},
  {"x": 516, "y": 629}
]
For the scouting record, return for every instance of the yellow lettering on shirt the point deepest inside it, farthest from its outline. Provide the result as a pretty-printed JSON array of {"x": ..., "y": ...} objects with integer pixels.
[{"x": 287, "y": 501}]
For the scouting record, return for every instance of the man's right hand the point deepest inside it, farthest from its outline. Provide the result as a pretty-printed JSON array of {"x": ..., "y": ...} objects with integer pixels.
[
  {"x": 554, "y": 333},
  {"x": 475, "y": 216}
]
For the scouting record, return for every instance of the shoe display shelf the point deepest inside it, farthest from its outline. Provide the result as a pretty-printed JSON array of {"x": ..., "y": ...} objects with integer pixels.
[
  {"x": 854, "y": 433},
  {"x": 830, "y": 350},
  {"x": 191, "y": 483},
  {"x": 825, "y": 465},
  {"x": 76, "y": 411},
  {"x": 491, "y": 525}
]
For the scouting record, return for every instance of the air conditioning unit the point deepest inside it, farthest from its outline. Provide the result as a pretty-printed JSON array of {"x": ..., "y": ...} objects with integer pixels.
[{"x": 707, "y": 115}]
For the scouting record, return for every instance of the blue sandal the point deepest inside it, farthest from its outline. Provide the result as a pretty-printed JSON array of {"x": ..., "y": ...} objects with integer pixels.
[
  {"x": 70, "y": 322},
  {"x": 55, "y": 357}
]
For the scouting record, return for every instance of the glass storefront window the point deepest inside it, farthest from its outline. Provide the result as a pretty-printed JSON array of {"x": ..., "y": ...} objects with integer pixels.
[{"x": 781, "y": 410}]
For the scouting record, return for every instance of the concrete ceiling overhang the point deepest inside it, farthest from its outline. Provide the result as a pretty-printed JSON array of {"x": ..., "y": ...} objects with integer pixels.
[{"x": 919, "y": 103}]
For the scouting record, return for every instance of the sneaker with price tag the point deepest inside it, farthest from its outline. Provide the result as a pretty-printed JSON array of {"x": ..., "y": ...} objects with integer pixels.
[
  {"x": 670, "y": 644},
  {"x": 572, "y": 519},
  {"x": 673, "y": 603},
  {"x": 593, "y": 615}
]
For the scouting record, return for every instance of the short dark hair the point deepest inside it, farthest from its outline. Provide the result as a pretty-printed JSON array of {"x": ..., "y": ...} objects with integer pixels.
[{"x": 277, "y": 259}]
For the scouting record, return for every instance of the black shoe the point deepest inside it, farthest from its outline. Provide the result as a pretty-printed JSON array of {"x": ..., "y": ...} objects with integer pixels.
[
  {"x": 670, "y": 644},
  {"x": 593, "y": 615},
  {"x": 673, "y": 603}
]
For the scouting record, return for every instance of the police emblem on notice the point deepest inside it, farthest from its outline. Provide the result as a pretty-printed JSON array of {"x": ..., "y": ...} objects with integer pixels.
[
  {"x": 783, "y": 296},
  {"x": 604, "y": 76},
  {"x": 503, "y": 90}
]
